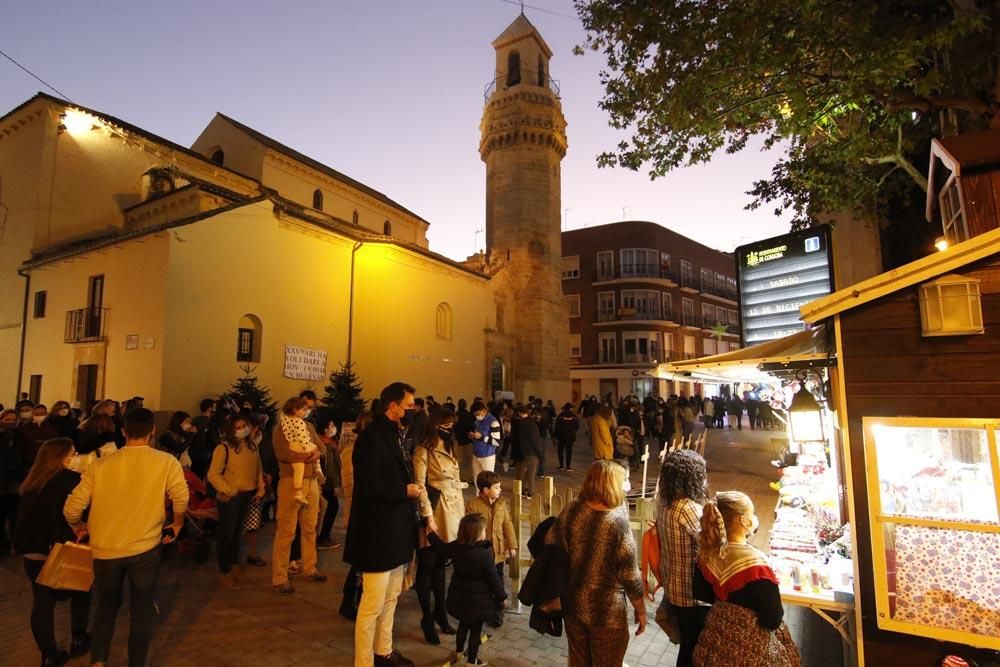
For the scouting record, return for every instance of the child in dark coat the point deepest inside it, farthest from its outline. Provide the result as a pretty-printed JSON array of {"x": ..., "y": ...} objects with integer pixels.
[{"x": 475, "y": 592}]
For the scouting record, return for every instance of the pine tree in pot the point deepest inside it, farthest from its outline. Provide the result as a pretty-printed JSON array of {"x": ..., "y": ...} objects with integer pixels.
[
  {"x": 248, "y": 389},
  {"x": 342, "y": 397}
]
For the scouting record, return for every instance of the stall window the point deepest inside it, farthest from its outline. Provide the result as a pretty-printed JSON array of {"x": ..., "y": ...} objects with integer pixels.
[{"x": 934, "y": 508}]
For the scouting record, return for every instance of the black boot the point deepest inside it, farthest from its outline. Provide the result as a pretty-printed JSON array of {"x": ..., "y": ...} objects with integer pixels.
[
  {"x": 442, "y": 622},
  {"x": 430, "y": 633}
]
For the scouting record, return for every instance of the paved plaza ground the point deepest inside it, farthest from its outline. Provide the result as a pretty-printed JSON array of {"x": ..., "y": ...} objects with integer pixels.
[{"x": 201, "y": 623}]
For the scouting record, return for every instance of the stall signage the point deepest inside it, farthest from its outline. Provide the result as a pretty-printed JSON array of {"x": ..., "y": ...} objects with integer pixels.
[
  {"x": 301, "y": 363},
  {"x": 778, "y": 276}
]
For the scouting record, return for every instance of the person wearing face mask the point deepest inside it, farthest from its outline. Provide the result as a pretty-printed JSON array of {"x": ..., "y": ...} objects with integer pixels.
[
  {"x": 64, "y": 420},
  {"x": 485, "y": 439},
  {"x": 177, "y": 438},
  {"x": 382, "y": 534},
  {"x": 745, "y": 624},
  {"x": 436, "y": 469},
  {"x": 331, "y": 487},
  {"x": 42, "y": 525},
  {"x": 238, "y": 478},
  {"x": 37, "y": 431}
]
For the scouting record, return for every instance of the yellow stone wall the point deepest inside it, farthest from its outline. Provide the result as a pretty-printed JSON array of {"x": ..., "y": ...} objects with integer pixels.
[{"x": 133, "y": 295}]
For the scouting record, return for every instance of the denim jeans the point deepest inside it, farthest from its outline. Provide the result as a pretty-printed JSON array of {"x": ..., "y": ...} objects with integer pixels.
[
  {"x": 232, "y": 514},
  {"x": 142, "y": 571},
  {"x": 332, "y": 507},
  {"x": 43, "y": 609}
]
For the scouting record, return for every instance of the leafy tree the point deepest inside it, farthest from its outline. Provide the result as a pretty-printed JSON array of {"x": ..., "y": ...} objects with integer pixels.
[
  {"x": 854, "y": 90},
  {"x": 342, "y": 397},
  {"x": 249, "y": 389}
]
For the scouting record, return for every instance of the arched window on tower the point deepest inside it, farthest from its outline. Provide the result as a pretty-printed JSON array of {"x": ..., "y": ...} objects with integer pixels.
[
  {"x": 387, "y": 228},
  {"x": 498, "y": 375},
  {"x": 218, "y": 156},
  {"x": 443, "y": 321},
  {"x": 318, "y": 200},
  {"x": 248, "y": 339},
  {"x": 541, "y": 72},
  {"x": 513, "y": 68}
]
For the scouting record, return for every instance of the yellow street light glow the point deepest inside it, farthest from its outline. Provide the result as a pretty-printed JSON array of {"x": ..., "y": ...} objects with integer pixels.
[
  {"x": 77, "y": 122},
  {"x": 941, "y": 243}
]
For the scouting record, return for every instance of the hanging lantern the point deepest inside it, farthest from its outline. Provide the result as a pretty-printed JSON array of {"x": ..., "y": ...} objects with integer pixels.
[
  {"x": 951, "y": 306},
  {"x": 805, "y": 416}
]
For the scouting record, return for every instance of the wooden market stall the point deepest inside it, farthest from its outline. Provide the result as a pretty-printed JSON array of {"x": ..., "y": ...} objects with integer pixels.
[{"x": 917, "y": 395}]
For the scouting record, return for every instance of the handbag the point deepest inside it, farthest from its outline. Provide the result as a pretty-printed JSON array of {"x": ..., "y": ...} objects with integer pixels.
[
  {"x": 666, "y": 618},
  {"x": 68, "y": 567}
]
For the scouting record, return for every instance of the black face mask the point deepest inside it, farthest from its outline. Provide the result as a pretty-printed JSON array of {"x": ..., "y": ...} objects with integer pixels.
[
  {"x": 446, "y": 435},
  {"x": 407, "y": 417}
]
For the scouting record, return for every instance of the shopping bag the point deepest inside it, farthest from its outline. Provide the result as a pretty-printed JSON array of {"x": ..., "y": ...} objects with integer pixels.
[{"x": 69, "y": 567}]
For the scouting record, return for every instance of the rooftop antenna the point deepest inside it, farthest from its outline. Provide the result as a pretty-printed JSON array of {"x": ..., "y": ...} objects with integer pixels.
[
  {"x": 625, "y": 212},
  {"x": 522, "y": 6},
  {"x": 476, "y": 240},
  {"x": 566, "y": 216}
]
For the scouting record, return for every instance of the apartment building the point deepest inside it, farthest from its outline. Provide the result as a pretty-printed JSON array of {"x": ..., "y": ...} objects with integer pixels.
[{"x": 640, "y": 294}]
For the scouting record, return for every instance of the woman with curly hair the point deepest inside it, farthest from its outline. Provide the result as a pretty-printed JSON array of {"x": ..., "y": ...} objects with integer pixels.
[{"x": 683, "y": 491}]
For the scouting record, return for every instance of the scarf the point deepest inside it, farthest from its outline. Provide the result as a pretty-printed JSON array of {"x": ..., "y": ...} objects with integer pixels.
[{"x": 738, "y": 565}]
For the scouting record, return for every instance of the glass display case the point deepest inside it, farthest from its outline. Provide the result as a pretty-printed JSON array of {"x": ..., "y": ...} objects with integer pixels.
[{"x": 934, "y": 511}]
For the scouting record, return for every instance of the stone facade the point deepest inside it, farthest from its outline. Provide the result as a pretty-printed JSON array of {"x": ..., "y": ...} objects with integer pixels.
[{"x": 523, "y": 141}]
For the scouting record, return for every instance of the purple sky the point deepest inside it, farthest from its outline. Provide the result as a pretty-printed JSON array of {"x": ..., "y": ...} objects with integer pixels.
[{"x": 389, "y": 92}]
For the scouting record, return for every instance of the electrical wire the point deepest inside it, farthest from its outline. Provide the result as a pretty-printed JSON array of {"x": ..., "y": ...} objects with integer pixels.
[
  {"x": 524, "y": 6},
  {"x": 37, "y": 78}
]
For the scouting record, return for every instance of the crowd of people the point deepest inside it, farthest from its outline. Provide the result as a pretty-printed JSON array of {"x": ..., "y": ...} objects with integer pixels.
[{"x": 403, "y": 476}]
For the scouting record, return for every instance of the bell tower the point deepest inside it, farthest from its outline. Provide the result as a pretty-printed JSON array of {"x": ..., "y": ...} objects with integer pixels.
[{"x": 523, "y": 142}]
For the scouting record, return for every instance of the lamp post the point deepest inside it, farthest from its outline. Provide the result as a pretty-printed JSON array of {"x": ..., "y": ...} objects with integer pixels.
[{"x": 805, "y": 416}]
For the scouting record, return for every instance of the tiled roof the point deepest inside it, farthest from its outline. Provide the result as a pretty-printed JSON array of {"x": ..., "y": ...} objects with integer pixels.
[{"x": 317, "y": 165}]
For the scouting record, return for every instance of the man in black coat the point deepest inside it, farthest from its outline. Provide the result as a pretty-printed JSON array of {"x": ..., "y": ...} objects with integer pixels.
[{"x": 382, "y": 534}]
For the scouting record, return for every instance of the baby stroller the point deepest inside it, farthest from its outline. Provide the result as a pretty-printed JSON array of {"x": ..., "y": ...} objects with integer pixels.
[{"x": 200, "y": 520}]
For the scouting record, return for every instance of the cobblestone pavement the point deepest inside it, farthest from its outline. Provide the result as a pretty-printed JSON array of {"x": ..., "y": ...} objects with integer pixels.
[{"x": 201, "y": 623}]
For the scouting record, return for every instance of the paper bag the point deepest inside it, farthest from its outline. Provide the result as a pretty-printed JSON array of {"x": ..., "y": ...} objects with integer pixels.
[{"x": 69, "y": 567}]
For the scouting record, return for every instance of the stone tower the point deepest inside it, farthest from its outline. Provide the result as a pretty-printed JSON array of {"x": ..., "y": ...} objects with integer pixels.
[{"x": 523, "y": 142}]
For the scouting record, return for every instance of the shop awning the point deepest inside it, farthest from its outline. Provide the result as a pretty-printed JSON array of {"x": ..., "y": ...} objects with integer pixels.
[{"x": 755, "y": 363}]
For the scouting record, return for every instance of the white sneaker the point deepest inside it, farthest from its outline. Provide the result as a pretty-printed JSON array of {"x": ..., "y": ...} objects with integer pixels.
[{"x": 295, "y": 567}]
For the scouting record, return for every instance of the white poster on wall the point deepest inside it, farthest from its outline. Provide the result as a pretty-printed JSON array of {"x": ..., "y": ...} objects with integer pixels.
[{"x": 301, "y": 363}]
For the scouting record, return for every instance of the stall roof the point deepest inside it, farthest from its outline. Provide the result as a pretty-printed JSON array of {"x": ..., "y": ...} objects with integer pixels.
[
  {"x": 924, "y": 269},
  {"x": 805, "y": 348}
]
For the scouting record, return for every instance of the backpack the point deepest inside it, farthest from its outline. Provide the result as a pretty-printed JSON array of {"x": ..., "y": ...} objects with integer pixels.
[
  {"x": 209, "y": 489},
  {"x": 651, "y": 559}
]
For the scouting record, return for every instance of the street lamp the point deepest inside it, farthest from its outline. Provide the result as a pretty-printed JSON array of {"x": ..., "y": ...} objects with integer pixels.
[{"x": 805, "y": 416}]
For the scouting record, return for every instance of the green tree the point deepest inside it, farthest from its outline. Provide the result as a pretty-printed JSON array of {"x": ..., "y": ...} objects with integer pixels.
[
  {"x": 249, "y": 389},
  {"x": 342, "y": 397},
  {"x": 853, "y": 90}
]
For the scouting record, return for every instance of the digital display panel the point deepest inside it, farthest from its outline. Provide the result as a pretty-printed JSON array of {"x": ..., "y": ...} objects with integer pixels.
[{"x": 778, "y": 276}]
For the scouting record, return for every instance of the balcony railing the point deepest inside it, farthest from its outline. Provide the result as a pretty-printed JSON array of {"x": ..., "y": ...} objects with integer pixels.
[
  {"x": 632, "y": 314},
  {"x": 691, "y": 320},
  {"x": 640, "y": 270},
  {"x": 86, "y": 325},
  {"x": 724, "y": 292},
  {"x": 528, "y": 77}
]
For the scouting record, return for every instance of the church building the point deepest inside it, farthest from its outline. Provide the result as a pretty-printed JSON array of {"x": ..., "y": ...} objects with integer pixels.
[{"x": 131, "y": 265}]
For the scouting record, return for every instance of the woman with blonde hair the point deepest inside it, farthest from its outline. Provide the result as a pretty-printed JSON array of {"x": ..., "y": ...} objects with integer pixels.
[
  {"x": 603, "y": 573},
  {"x": 744, "y": 627}
]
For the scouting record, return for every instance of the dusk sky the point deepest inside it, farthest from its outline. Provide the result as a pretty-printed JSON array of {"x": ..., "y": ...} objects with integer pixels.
[{"x": 389, "y": 92}]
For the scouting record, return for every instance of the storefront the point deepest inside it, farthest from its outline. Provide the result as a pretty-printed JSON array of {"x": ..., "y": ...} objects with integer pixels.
[
  {"x": 917, "y": 388},
  {"x": 811, "y": 544}
]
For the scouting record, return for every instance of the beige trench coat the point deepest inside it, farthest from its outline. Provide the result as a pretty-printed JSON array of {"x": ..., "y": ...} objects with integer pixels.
[{"x": 439, "y": 469}]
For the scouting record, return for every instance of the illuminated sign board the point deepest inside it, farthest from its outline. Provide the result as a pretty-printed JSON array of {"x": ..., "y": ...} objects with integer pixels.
[{"x": 778, "y": 276}]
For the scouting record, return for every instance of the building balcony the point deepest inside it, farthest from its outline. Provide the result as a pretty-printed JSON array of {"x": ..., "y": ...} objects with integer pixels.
[
  {"x": 86, "y": 325},
  {"x": 527, "y": 77},
  {"x": 660, "y": 275},
  {"x": 719, "y": 292},
  {"x": 634, "y": 315}
]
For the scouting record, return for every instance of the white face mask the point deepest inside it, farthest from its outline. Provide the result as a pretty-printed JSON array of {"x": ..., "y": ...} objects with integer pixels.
[
  {"x": 64, "y": 412},
  {"x": 25, "y": 414},
  {"x": 627, "y": 485},
  {"x": 38, "y": 419},
  {"x": 189, "y": 427},
  {"x": 306, "y": 414},
  {"x": 242, "y": 433},
  {"x": 332, "y": 431}
]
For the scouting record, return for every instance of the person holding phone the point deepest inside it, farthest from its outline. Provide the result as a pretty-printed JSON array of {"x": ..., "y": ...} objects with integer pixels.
[{"x": 131, "y": 483}]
